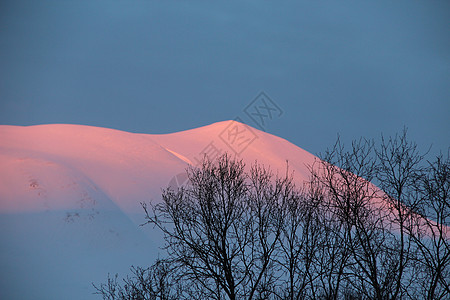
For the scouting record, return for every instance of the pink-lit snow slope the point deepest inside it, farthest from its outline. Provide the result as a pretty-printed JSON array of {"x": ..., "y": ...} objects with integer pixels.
[
  {"x": 70, "y": 197},
  {"x": 63, "y": 167}
]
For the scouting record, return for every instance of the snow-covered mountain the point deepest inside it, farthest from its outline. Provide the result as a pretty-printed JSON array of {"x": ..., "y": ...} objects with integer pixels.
[{"x": 70, "y": 197}]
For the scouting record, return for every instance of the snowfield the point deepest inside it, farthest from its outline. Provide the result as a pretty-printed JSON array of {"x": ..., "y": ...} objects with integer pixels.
[{"x": 70, "y": 197}]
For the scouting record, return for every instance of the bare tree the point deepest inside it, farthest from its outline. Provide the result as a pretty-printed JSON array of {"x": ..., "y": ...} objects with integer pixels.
[
  {"x": 150, "y": 283},
  {"x": 297, "y": 245},
  {"x": 372, "y": 223},
  {"x": 222, "y": 230},
  {"x": 358, "y": 228},
  {"x": 432, "y": 232},
  {"x": 397, "y": 233}
]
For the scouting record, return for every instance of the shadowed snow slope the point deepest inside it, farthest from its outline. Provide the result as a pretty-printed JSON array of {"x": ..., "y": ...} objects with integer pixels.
[{"x": 70, "y": 197}]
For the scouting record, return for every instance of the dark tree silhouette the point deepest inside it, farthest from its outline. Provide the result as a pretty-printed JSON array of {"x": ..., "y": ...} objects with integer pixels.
[
  {"x": 150, "y": 283},
  {"x": 222, "y": 230},
  {"x": 371, "y": 223},
  {"x": 431, "y": 234}
]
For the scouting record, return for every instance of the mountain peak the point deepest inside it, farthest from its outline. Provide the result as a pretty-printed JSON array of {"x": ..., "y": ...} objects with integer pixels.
[{"x": 40, "y": 162}]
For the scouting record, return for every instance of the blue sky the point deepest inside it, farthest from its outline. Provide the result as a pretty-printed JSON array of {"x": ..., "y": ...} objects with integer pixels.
[{"x": 357, "y": 68}]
